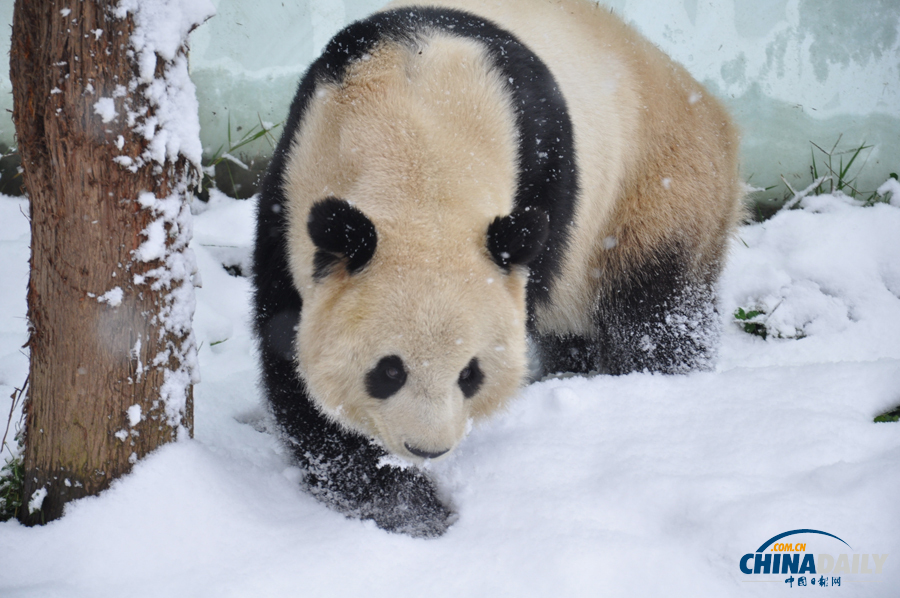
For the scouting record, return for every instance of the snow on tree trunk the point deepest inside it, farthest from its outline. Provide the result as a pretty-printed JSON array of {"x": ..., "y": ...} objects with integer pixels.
[{"x": 106, "y": 120}]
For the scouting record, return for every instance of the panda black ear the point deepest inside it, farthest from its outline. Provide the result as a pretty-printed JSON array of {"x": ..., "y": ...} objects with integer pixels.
[
  {"x": 340, "y": 231},
  {"x": 516, "y": 239}
]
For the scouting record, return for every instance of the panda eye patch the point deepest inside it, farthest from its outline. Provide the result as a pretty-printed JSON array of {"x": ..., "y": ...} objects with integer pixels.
[
  {"x": 386, "y": 378},
  {"x": 470, "y": 379}
]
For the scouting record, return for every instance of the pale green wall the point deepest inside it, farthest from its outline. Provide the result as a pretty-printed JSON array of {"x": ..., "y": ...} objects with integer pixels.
[
  {"x": 792, "y": 71},
  {"x": 7, "y": 133}
]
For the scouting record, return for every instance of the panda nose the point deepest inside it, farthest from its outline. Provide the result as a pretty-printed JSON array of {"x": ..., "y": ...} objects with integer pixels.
[{"x": 424, "y": 454}]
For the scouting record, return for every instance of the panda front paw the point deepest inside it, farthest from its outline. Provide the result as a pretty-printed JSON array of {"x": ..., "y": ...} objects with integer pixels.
[
  {"x": 405, "y": 501},
  {"x": 398, "y": 500}
]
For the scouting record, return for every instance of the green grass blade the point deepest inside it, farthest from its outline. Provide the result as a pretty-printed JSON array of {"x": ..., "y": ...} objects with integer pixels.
[{"x": 889, "y": 417}]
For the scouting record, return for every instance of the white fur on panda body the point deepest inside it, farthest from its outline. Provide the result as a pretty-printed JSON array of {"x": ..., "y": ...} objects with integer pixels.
[{"x": 422, "y": 138}]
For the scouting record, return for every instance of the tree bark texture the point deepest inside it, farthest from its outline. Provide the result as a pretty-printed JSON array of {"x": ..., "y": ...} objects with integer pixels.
[{"x": 99, "y": 359}]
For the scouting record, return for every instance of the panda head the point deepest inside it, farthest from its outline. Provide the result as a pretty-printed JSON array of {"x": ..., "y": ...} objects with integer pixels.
[
  {"x": 406, "y": 247},
  {"x": 410, "y": 351}
]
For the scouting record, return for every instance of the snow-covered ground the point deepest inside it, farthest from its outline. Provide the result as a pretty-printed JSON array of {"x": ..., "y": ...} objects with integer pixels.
[{"x": 639, "y": 485}]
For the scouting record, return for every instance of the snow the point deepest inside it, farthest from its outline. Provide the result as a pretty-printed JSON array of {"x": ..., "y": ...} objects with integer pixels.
[
  {"x": 37, "y": 500},
  {"x": 112, "y": 297},
  {"x": 172, "y": 132},
  {"x": 891, "y": 186},
  {"x": 161, "y": 28},
  {"x": 832, "y": 276},
  {"x": 154, "y": 248},
  {"x": 106, "y": 109},
  {"x": 636, "y": 485},
  {"x": 134, "y": 415}
]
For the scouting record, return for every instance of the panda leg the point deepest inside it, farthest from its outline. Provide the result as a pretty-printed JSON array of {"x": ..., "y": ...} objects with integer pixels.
[
  {"x": 342, "y": 468},
  {"x": 568, "y": 353},
  {"x": 659, "y": 318}
]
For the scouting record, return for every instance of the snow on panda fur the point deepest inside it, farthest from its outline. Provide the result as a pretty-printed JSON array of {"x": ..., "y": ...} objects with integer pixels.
[{"x": 448, "y": 184}]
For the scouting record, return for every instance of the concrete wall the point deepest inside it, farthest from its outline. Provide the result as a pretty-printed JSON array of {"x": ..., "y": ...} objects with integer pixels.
[{"x": 792, "y": 71}]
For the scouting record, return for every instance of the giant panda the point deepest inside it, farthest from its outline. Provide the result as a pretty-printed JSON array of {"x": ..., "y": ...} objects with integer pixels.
[{"x": 459, "y": 186}]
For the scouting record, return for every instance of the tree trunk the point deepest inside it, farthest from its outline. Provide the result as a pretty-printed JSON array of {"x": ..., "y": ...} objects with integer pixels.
[{"x": 112, "y": 359}]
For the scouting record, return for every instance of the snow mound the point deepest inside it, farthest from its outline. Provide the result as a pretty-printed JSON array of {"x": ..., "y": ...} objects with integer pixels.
[
  {"x": 827, "y": 274},
  {"x": 636, "y": 485}
]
